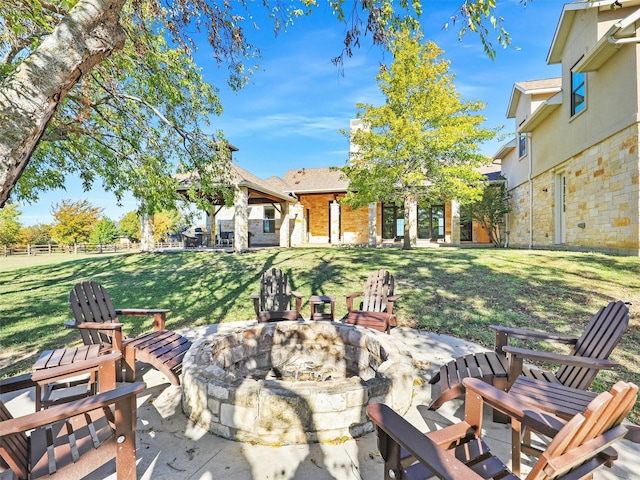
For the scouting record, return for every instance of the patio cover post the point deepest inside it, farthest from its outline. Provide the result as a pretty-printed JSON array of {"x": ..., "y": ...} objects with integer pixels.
[
  {"x": 285, "y": 225},
  {"x": 297, "y": 220},
  {"x": 241, "y": 220},
  {"x": 335, "y": 223}
]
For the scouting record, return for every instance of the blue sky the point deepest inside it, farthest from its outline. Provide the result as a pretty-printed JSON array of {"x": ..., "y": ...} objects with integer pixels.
[{"x": 289, "y": 114}]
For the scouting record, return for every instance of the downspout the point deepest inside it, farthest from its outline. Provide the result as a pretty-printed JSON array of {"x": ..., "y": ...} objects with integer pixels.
[
  {"x": 506, "y": 221},
  {"x": 530, "y": 153},
  {"x": 622, "y": 25},
  {"x": 620, "y": 41}
]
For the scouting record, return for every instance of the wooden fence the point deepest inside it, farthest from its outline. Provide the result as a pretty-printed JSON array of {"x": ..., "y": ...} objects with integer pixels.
[
  {"x": 70, "y": 249},
  {"x": 80, "y": 248}
]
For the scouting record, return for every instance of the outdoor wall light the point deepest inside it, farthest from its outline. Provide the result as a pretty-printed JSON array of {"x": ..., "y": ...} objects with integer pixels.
[
  {"x": 581, "y": 225},
  {"x": 545, "y": 190}
]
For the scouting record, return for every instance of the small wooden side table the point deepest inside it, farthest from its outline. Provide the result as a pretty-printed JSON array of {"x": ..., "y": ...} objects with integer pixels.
[
  {"x": 72, "y": 367},
  {"x": 318, "y": 310}
]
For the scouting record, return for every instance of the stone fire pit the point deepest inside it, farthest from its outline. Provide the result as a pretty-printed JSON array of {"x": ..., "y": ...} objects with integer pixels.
[{"x": 294, "y": 382}]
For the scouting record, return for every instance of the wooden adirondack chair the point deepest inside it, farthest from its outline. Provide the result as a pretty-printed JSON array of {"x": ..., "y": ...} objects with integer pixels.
[
  {"x": 72, "y": 438},
  {"x": 98, "y": 322},
  {"x": 457, "y": 452},
  {"x": 376, "y": 309},
  {"x": 578, "y": 369},
  {"x": 274, "y": 301}
]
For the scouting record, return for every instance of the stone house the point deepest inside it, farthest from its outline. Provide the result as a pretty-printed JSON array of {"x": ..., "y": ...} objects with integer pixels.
[
  {"x": 572, "y": 168},
  {"x": 303, "y": 208}
]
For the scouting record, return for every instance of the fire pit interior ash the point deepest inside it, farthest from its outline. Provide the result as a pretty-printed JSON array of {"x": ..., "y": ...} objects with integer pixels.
[{"x": 294, "y": 382}]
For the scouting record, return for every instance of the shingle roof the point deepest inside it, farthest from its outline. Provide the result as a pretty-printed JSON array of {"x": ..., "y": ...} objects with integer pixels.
[
  {"x": 323, "y": 179},
  {"x": 543, "y": 84}
]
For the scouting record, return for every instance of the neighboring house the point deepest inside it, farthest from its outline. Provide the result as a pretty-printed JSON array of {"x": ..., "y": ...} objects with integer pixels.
[
  {"x": 302, "y": 208},
  {"x": 572, "y": 169}
]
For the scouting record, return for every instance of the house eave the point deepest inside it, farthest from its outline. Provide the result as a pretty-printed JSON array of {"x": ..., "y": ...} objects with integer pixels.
[
  {"x": 566, "y": 19},
  {"x": 505, "y": 150},
  {"x": 621, "y": 31},
  {"x": 518, "y": 91},
  {"x": 317, "y": 190},
  {"x": 268, "y": 192}
]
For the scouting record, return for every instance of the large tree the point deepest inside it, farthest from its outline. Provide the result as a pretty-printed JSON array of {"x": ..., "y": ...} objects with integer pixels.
[
  {"x": 51, "y": 54},
  {"x": 104, "y": 232},
  {"x": 73, "y": 222},
  {"x": 422, "y": 143},
  {"x": 9, "y": 224}
]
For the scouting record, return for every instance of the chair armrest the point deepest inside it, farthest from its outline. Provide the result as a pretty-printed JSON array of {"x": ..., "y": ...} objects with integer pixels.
[
  {"x": 350, "y": 298},
  {"x": 255, "y": 296},
  {"x": 48, "y": 375},
  {"x": 14, "y": 384},
  {"x": 95, "y": 325},
  {"x": 561, "y": 359},
  {"x": 390, "y": 300},
  {"x": 440, "y": 461},
  {"x": 528, "y": 415},
  {"x": 159, "y": 315},
  {"x": 297, "y": 295},
  {"x": 503, "y": 334},
  {"x": 70, "y": 409},
  {"x": 139, "y": 312}
]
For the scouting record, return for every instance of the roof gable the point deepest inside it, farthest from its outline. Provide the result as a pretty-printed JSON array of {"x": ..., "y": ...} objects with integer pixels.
[{"x": 565, "y": 23}]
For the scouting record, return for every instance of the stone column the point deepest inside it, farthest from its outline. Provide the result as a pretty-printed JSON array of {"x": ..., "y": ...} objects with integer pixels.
[
  {"x": 455, "y": 222},
  {"x": 285, "y": 225},
  {"x": 297, "y": 215},
  {"x": 241, "y": 220},
  {"x": 335, "y": 223},
  {"x": 373, "y": 224}
]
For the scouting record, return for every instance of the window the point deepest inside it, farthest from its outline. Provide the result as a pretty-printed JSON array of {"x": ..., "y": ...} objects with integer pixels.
[
  {"x": 269, "y": 223},
  {"x": 522, "y": 145},
  {"x": 431, "y": 222},
  {"x": 392, "y": 222},
  {"x": 466, "y": 222},
  {"x": 578, "y": 92}
]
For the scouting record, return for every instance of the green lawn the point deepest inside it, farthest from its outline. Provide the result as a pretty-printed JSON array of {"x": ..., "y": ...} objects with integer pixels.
[{"x": 446, "y": 290}]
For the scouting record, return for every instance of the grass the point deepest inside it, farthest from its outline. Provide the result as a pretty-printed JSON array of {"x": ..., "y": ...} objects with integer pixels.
[{"x": 451, "y": 291}]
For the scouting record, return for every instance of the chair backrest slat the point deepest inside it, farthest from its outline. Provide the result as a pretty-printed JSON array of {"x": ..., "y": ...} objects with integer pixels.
[
  {"x": 378, "y": 288},
  {"x": 600, "y": 337},
  {"x": 605, "y": 412},
  {"x": 275, "y": 292},
  {"x": 90, "y": 302}
]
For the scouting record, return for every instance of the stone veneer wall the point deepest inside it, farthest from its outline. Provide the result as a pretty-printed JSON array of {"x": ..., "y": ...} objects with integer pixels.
[{"x": 602, "y": 191}]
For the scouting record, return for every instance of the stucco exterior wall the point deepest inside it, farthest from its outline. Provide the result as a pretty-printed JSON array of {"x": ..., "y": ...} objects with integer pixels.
[{"x": 611, "y": 103}]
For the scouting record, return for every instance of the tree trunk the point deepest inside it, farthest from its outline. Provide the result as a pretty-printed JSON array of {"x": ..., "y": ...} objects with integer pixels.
[
  {"x": 31, "y": 94},
  {"x": 406, "y": 243},
  {"x": 147, "y": 227}
]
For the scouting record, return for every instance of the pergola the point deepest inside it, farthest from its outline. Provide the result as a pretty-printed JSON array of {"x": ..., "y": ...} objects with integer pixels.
[{"x": 248, "y": 190}]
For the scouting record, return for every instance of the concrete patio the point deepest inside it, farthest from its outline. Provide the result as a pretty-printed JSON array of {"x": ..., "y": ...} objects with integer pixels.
[{"x": 170, "y": 447}]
